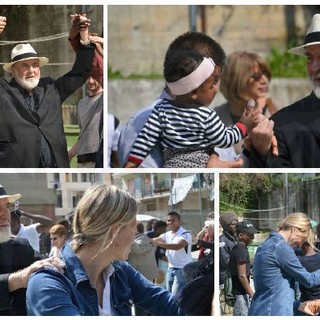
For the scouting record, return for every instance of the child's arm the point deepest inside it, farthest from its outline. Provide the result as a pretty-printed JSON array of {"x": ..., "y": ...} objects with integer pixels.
[{"x": 219, "y": 134}]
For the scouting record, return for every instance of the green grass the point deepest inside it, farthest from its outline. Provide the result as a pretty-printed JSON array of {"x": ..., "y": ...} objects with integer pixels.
[{"x": 72, "y": 132}]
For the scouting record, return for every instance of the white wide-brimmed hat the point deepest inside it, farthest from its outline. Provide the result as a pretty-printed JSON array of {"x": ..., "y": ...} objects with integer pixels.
[
  {"x": 24, "y": 51},
  {"x": 10, "y": 197},
  {"x": 312, "y": 37}
]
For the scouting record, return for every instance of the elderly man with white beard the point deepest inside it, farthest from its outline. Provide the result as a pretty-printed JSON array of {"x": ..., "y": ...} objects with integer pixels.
[
  {"x": 17, "y": 262},
  {"x": 32, "y": 134},
  {"x": 296, "y": 127}
]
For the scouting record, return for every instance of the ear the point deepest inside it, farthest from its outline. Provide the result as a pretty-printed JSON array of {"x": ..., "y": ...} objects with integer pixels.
[
  {"x": 113, "y": 231},
  {"x": 194, "y": 95}
]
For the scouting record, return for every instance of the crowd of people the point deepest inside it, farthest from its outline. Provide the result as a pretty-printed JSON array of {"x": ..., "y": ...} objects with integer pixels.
[
  {"x": 108, "y": 266},
  {"x": 282, "y": 279}
]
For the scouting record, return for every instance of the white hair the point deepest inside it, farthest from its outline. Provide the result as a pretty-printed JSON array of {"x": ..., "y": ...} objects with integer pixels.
[
  {"x": 316, "y": 87},
  {"x": 5, "y": 234}
]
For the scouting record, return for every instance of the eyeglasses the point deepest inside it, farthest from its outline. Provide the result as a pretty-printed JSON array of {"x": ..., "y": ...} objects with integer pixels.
[{"x": 258, "y": 75}]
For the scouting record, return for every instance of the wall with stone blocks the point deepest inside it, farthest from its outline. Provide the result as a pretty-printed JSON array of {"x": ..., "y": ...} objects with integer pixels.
[
  {"x": 139, "y": 35},
  {"x": 125, "y": 97}
]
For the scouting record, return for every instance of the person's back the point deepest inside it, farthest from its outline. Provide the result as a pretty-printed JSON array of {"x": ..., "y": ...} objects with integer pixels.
[
  {"x": 142, "y": 257},
  {"x": 311, "y": 261},
  {"x": 15, "y": 255},
  {"x": 226, "y": 243},
  {"x": 130, "y": 132}
]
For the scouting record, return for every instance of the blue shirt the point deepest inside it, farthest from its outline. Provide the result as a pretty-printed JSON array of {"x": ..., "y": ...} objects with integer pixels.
[
  {"x": 275, "y": 269},
  {"x": 130, "y": 132},
  {"x": 71, "y": 293}
]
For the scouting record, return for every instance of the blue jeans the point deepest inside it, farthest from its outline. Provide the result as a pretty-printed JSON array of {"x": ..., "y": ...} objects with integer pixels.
[
  {"x": 175, "y": 280},
  {"x": 242, "y": 305}
]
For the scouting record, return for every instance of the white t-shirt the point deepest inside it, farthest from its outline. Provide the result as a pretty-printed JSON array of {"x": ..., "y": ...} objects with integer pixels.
[
  {"x": 178, "y": 258},
  {"x": 106, "y": 302},
  {"x": 31, "y": 234}
]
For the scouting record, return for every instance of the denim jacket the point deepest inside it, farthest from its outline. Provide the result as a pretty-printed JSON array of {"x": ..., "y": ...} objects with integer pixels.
[
  {"x": 51, "y": 293},
  {"x": 275, "y": 269}
]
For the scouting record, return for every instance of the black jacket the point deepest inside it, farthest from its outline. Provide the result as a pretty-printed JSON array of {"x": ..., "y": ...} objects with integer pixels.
[
  {"x": 226, "y": 243},
  {"x": 298, "y": 133},
  {"x": 15, "y": 255},
  {"x": 195, "y": 298},
  {"x": 20, "y": 130}
]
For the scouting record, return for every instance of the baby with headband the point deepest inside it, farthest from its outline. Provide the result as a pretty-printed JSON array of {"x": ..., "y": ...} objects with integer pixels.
[{"x": 187, "y": 129}]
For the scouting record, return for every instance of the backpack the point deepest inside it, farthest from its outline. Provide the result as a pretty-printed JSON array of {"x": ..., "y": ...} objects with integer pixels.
[
  {"x": 229, "y": 292},
  {"x": 186, "y": 247}
]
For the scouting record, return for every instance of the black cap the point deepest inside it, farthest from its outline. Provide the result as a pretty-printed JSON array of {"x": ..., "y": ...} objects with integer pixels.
[{"x": 246, "y": 226}]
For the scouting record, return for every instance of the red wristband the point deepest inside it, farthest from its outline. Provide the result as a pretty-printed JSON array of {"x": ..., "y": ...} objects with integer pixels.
[
  {"x": 242, "y": 128},
  {"x": 134, "y": 159}
]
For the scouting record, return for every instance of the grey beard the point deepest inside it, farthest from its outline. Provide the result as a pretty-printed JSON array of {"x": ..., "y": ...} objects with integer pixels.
[
  {"x": 315, "y": 88},
  {"x": 5, "y": 234},
  {"x": 27, "y": 84},
  {"x": 316, "y": 91}
]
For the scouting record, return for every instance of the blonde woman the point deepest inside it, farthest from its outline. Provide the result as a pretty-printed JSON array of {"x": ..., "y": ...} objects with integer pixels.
[
  {"x": 276, "y": 268},
  {"x": 97, "y": 280}
]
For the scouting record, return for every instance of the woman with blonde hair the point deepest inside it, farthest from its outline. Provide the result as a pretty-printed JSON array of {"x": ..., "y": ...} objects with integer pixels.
[
  {"x": 276, "y": 268},
  {"x": 97, "y": 280}
]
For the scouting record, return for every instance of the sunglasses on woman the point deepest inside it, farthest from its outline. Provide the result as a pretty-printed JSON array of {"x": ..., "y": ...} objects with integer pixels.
[{"x": 258, "y": 75}]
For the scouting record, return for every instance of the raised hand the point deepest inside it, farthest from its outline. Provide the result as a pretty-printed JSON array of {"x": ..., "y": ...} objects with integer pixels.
[{"x": 80, "y": 23}]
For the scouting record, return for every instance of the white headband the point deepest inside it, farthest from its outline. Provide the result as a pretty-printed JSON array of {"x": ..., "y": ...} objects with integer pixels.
[{"x": 194, "y": 79}]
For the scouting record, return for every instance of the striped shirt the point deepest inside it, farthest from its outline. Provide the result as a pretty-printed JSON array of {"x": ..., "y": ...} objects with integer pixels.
[{"x": 178, "y": 127}]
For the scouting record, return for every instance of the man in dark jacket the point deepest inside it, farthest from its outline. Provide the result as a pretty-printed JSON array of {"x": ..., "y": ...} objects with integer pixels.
[
  {"x": 296, "y": 127},
  {"x": 32, "y": 132},
  {"x": 17, "y": 262},
  {"x": 227, "y": 241}
]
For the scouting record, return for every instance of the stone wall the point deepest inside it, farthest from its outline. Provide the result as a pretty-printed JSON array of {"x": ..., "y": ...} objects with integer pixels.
[
  {"x": 139, "y": 35},
  {"x": 125, "y": 97}
]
